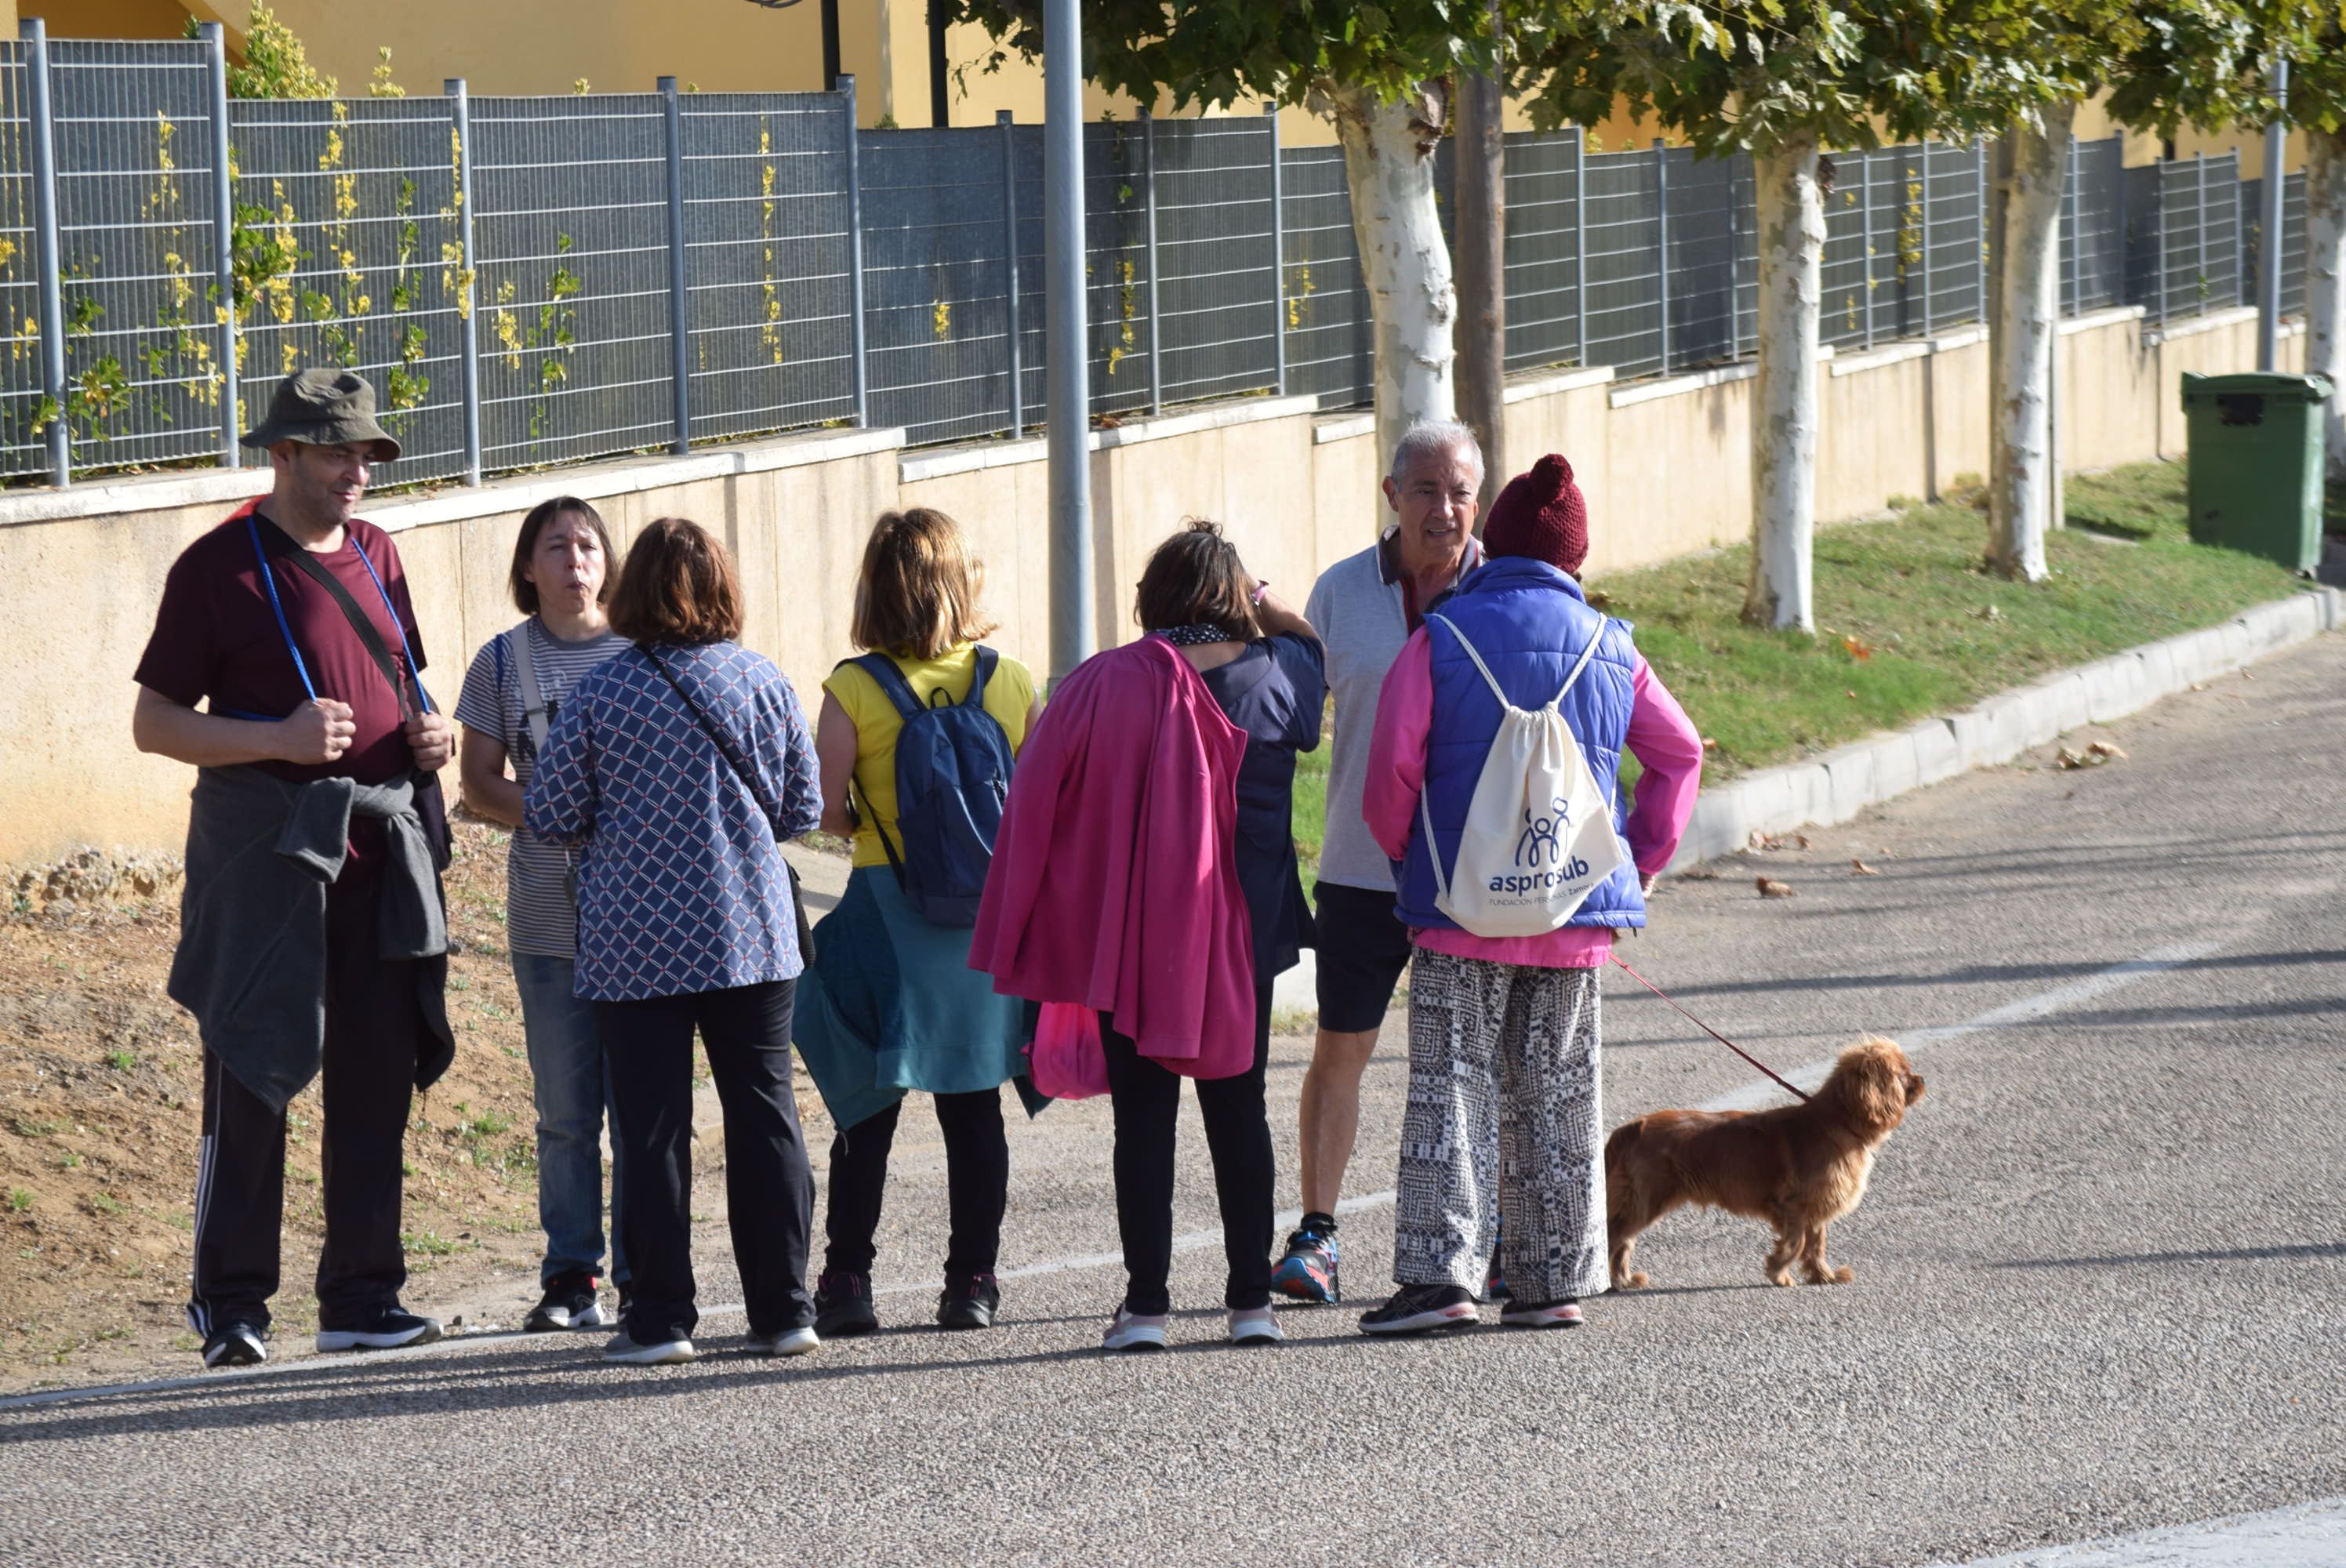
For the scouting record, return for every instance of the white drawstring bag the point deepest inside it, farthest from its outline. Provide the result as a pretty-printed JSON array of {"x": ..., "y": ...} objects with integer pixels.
[{"x": 1538, "y": 835}]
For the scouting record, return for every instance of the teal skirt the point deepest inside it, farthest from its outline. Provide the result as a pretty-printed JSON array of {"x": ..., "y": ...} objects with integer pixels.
[{"x": 890, "y": 1003}]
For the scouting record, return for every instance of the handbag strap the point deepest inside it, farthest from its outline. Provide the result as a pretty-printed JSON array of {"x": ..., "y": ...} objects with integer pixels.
[{"x": 724, "y": 742}]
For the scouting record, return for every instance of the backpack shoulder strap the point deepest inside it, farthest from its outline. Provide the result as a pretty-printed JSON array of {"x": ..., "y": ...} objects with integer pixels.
[
  {"x": 891, "y": 682},
  {"x": 1585, "y": 655},
  {"x": 533, "y": 702},
  {"x": 1496, "y": 690},
  {"x": 986, "y": 658}
]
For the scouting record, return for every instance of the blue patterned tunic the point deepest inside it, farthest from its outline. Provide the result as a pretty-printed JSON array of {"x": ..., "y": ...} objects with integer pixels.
[{"x": 682, "y": 889}]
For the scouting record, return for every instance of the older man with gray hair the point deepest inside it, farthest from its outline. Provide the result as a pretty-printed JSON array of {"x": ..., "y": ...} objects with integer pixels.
[{"x": 1365, "y": 606}]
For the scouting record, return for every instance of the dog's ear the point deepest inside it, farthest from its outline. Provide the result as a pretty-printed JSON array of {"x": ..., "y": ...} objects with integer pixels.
[{"x": 1872, "y": 1077}]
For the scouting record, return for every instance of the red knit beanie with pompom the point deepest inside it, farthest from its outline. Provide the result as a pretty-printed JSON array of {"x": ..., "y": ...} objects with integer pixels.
[{"x": 1541, "y": 516}]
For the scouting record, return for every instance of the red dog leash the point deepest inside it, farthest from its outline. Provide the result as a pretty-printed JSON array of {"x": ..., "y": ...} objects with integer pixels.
[{"x": 1707, "y": 1029}]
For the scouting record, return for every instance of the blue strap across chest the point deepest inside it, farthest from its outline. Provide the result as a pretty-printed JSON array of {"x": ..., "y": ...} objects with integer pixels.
[{"x": 285, "y": 628}]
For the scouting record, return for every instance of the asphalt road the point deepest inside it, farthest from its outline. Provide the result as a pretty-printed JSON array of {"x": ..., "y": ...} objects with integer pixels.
[{"x": 2099, "y": 1276}]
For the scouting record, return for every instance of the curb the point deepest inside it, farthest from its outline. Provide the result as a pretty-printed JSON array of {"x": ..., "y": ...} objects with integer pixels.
[{"x": 1835, "y": 786}]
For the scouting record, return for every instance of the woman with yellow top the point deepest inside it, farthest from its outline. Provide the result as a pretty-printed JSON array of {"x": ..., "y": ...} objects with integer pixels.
[{"x": 890, "y": 1002}]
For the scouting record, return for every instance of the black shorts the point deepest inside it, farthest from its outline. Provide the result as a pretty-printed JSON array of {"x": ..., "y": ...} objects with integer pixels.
[{"x": 1360, "y": 949}]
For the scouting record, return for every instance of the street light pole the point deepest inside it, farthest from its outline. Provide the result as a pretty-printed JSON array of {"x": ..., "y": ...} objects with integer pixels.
[
  {"x": 1066, "y": 377},
  {"x": 2269, "y": 249}
]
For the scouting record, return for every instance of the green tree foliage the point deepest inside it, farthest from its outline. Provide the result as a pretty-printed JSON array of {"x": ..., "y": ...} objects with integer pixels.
[{"x": 275, "y": 65}]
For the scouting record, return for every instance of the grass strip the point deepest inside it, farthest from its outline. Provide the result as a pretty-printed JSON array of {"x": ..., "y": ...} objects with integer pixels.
[{"x": 1908, "y": 623}]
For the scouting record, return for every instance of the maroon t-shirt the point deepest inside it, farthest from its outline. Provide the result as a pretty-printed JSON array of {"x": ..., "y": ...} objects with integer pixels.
[{"x": 217, "y": 642}]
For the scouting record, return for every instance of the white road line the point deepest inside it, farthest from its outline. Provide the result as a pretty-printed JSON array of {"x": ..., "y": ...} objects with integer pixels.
[
  {"x": 2156, "y": 962},
  {"x": 2309, "y": 1535}
]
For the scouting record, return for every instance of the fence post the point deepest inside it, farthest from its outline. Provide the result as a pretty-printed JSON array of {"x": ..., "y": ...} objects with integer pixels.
[
  {"x": 224, "y": 229},
  {"x": 1010, "y": 261},
  {"x": 1987, "y": 206},
  {"x": 679, "y": 298},
  {"x": 2077, "y": 230},
  {"x": 1922, "y": 237},
  {"x": 2159, "y": 221},
  {"x": 1580, "y": 245},
  {"x": 1662, "y": 244},
  {"x": 468, "y": 325},
  {"x": 1865, "y": 228},
  {"x": 1277, "y": 257},
  {"x": 855, "y": 253},
  {"x": 2200, "y": 207},
  {"x": 42, "y": 120},
  {"x": 1155, "y": 335}
]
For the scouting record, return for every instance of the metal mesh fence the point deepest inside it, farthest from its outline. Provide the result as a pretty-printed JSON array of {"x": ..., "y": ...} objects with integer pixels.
[
  {"x": 1621, "y": 255},
  {"x": 20, "y": 449},
  {"x": 347, "y": 254},
  {"x": 1329, "y": 344},
  {"x": 2093, "y": 227},
  {"x": 766, "y": 245},
  {"x": 1216, "y": 258},
  {"x": 2197, "y": 268},
  {"x": 1542, "y": 255},
  {"x": 570, "y": 224},
  {"x": 2292, "y": 245},
  {"x": 936, "y": 288},
  {"x": 1211, "y": 270},
  {"x": 137, "y": 241}
]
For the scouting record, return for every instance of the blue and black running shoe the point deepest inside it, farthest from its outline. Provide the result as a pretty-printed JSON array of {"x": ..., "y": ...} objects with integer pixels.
[{"x": 1308, "y": 1272}]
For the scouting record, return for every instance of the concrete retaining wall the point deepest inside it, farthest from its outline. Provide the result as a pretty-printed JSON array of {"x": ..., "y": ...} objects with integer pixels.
[{"x": 1665, "y": 463}]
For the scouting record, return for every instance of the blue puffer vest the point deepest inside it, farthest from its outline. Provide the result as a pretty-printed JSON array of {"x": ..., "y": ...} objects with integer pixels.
[{"x": 1530, "y": 621}]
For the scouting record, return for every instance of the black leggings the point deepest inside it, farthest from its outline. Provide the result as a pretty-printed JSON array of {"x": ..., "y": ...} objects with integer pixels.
[
  {"x": 977, "y": 1181},
  {"x": 1147, "y": 1100}
]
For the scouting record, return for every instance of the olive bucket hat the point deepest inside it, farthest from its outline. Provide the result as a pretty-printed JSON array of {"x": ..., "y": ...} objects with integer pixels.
[{"x": 324, "y": 407}]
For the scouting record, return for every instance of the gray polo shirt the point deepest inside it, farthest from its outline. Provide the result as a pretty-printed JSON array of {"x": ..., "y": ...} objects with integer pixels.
[{"x": 1357, "y": 608}]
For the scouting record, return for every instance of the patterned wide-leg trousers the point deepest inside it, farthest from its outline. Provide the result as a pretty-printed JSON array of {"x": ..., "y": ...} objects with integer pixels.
[{"x": 1503, "y": 1106}]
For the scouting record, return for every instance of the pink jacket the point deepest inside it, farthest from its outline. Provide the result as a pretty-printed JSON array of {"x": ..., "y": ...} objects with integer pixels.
[
  {"x": 1114, "y": 885},
  {"x": 1661, "y": 737}
]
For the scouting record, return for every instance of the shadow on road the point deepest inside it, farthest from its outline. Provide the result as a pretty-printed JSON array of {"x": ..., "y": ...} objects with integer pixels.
[{"x": 2234, "y": 1255}]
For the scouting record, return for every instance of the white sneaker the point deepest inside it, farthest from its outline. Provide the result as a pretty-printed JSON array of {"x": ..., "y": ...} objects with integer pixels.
[
  {"x": 1134, "y": 1331},
  {"x": 795, "y": 1341},
  {"x": 1255, "y": 1325},
  {"x": 625, "y": 1351}
]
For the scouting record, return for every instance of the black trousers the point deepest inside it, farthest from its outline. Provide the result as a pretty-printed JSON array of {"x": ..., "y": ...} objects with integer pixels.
[
  {"x": 374, "y": 1033},
  {"x": 1146, "y": 1099},
  {"x": 768, "y": 1190},
  {"x": 977, "y": 1184}
]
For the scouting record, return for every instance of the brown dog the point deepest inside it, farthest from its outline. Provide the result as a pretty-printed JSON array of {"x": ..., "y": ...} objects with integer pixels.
[{"x": 1798, "y": 1168}]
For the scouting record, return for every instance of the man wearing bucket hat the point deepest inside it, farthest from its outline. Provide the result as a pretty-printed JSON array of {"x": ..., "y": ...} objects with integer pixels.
[{"x": 312, "y": 932}]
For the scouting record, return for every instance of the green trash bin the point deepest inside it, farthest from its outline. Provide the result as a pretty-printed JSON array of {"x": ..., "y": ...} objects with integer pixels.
[{"x": 2256, "y": 464}]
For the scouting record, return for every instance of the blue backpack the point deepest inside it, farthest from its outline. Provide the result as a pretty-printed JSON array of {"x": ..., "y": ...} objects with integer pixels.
[{"x": 952, "y": 773}]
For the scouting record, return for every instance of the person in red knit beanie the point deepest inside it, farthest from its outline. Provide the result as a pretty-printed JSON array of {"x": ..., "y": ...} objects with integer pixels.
[{"x": 1540, "y": 515}]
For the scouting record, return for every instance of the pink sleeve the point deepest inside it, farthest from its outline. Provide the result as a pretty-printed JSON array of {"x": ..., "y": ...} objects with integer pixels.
[
  {"x": 1397, "y": 748},
  {"x": 1669, "y": 746}
]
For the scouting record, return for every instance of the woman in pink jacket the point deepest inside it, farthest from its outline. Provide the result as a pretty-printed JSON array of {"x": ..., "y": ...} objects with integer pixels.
[{"x": 1146, "y": 869}]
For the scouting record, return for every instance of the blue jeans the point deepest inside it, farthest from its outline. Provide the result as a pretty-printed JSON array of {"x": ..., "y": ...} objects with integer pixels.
[{"x": 573, "y": 1088}]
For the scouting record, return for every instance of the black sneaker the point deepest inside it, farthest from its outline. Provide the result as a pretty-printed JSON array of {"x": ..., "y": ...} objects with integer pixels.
[
  {"x": 970, "y": 1301},
  {"x": 235, "y": 1345},
  {"x": 389, "y": 1329},
  {"x": 1414, "y": 1308},
  {"x": 843, "y": 1305},
  {"x": 570, "y": 1302}
]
